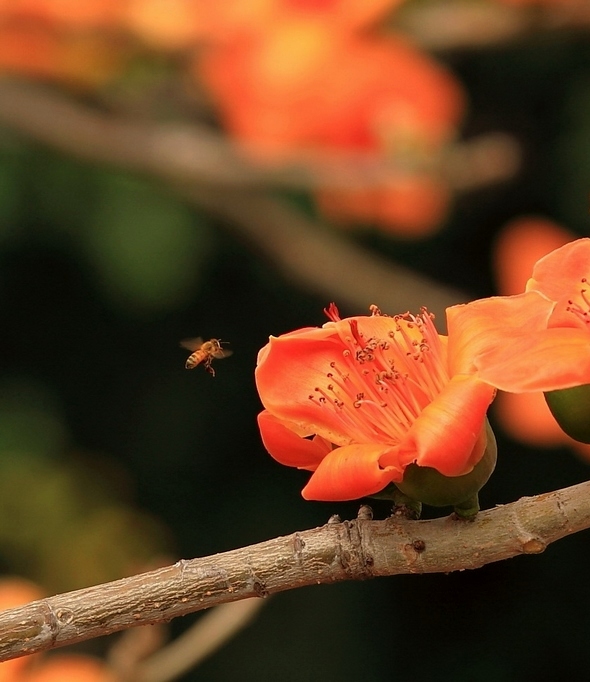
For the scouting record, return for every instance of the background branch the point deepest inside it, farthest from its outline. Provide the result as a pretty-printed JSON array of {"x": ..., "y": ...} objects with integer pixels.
[
  {"x": 308, "y": 253},
  {"x": 457, "y": 25},
  {"x": 352, "y": 550}
]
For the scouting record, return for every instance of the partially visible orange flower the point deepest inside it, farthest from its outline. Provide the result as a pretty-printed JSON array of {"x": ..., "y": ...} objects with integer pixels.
[
  {"x": 539, "y": 340},
  {"x": 80, "y": 14},
  {"x": 70, "y": 668},
  {"x": 521, "y": 243},
  {"x": 358, "y": 400},
  {"x": 15, "y": 591},
  {"x": 80, "y": 58}
]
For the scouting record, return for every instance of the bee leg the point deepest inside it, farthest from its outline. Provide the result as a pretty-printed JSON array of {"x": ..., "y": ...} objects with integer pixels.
[{"x": 209, "y": 368}]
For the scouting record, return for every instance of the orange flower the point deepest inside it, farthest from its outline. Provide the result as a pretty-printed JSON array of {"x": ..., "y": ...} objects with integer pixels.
[
  {"x": 15, "y": 591},
  {"x": 361, "y": 399},
  {"x": 539, "y": 340}
]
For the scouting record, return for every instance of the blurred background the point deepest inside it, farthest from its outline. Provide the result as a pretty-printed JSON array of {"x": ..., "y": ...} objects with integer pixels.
[{"x": 181, "y": 168}]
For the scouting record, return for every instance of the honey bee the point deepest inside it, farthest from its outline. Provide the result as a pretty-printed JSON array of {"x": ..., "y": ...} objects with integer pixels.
[{"x": 204, "y": 352}]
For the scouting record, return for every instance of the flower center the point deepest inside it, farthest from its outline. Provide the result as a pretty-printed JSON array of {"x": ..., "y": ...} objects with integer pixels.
[
  {"x": 581, "y": 310},
  {"x": 380, "y": 384}
]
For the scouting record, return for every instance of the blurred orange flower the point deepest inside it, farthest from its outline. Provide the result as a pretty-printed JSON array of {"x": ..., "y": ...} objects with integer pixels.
[
  {"x": 519, "y": 245},
  {"x": 304, "y": 88},
  {"x": 302, "y": 91},
  {"x": 76, "y": 57},
  {"x": 71, "y": 13},
  {"x": 294, "y": 81},
  {"x": 225, "y": 21},
  {"x": 16, "y": 591},
  {"x": 69, "y": 668},
  {"x": 167, "y": 24},
  {"x": 411, "y": 205}
]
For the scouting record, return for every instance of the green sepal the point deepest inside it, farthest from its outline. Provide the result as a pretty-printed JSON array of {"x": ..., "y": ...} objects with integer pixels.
[
  {"x": 427, "y": 485},
  {"x": 571, "y": 409}
]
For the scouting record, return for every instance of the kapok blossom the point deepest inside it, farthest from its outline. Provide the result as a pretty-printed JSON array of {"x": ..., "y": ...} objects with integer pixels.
[
  {"x": 538, "y": 340},
  {"x": 359, "y": 399}
]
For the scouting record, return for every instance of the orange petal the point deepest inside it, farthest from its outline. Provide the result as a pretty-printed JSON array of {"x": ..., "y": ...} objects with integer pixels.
[
  {"x": 555, "y": 274},
  {"x": 562, "y": 276},
  {"x": 543, "y": 361},
  {"x": 291, "y": 366},
  {"x": 478, "y": 327},
  {"x": 289, "y": 448},
  {"x": 444, "y": 435},
  {"x": 351, "y": 472}
]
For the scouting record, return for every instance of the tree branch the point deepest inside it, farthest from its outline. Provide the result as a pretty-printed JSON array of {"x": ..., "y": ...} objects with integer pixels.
[
  {"x": 456, "y": 25},
  {"x": 352, "y": 550},
  {"x": 196, "y": 153}
]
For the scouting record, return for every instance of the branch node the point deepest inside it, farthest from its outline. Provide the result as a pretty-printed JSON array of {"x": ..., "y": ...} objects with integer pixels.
[
  {"x": 298, "y": 547},
  {"x": 258, "y": 585},
  {"x": 534, "y": 546},
  {"x": 365, "y": 512}
]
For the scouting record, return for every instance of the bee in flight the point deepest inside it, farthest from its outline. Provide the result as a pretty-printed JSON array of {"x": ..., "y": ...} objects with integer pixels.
[{"x": 204, "y": 352}]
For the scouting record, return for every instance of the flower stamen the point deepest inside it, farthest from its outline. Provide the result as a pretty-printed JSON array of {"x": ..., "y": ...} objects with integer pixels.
[
  {"x": 581, "y": 312},
  {"x": 408, "y": 366}
]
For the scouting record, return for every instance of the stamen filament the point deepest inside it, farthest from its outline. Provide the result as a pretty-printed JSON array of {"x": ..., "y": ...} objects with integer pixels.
[{"x": 381, "y": 386}]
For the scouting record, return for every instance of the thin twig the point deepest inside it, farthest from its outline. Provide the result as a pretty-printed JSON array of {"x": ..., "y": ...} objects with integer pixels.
[
  {"x": 335, "y": 552},
  {"x": 205, "y": 637}
]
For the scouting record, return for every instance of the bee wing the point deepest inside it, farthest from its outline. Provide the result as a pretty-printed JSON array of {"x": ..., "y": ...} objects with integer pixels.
[
  {"x": 220, "y": 354},
  {"x": 192, "y": 344}
]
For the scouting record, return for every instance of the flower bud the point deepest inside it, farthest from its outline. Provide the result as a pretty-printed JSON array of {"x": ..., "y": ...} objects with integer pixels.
[{"x": 571, "y": 409}]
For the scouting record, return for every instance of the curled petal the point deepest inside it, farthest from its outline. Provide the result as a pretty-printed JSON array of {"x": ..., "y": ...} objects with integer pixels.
[
  {"x": 289, "y": 448},
  {"x": 351, "y": 472},
  {"x": 445, "y": 434}
]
